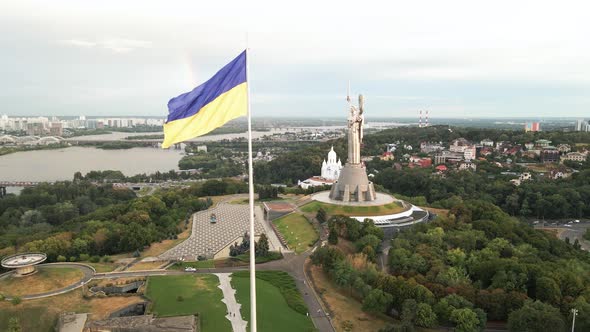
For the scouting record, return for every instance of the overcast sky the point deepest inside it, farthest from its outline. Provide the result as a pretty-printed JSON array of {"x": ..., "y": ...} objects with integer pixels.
[{"x": 454, "y": 58}]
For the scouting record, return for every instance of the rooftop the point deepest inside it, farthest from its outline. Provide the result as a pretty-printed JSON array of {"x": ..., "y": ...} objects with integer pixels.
[{"x": 21, "y": 260}]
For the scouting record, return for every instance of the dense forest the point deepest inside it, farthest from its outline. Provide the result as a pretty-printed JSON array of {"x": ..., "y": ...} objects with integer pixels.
[
  {"x": 540, "y": 198},
  {"x": 476, "y": 264},
  {"x": 74, "y": 220}
]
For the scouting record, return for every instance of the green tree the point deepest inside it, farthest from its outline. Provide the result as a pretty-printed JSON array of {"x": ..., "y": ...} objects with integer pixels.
[
  {"x": 446, "y": 305},
  {"x": 536, "y": 316},
  {"x": 333, "y": 236},
  {"x": 465, "y": 320},
  {"x": 343, "y": 273},
  {"x": 377, "y": 301},
  {"x": 425, "y": 316},
  {"x": 321, "y": 216},
  {"x": 547, "y": 290},
  {"x": 262, "y": 246},
  {"x": 409, "y": 308},
  {"x": 14, "y": 325}
]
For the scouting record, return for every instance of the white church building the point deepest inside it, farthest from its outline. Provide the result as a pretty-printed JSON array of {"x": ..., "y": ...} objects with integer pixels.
[{"x": 330, "y": 172}]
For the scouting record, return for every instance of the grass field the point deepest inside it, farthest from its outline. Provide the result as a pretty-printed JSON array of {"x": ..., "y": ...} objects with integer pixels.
[
  {"x": 357, "y": 211},
  {"x": 102, "y": 267},
  {"x": 200, "y": 296},
  {"x": 297, "y": 230},
  {"x": 41, "y": 315},
  {"x": 142, "y": 266},
  {"x": 46, "y": 279},
  {"x": 274, "y": 314}
]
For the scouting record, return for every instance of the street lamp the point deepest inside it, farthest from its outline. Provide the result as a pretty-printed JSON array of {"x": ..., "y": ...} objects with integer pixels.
[{"x": 575, "y": 312}]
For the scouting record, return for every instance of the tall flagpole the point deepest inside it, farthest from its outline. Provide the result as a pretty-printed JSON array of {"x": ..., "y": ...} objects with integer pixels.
[{"x": 251, "y": 200}]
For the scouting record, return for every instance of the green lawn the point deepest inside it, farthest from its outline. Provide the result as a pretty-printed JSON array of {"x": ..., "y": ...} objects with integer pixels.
[
  {"x": 272, "y": 256},
  {"x": 200, "y": 296},
  {"x": 30, "y": 319},
  {"x": 46, "y": 279},
  {"x": 274, "y": 314},
  {"x": 102, "y": 267},
  {"x": 298, "y": 231},
  {"x": 357, "y": 211}
]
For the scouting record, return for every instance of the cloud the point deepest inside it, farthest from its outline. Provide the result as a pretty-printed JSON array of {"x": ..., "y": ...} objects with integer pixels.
[
  {"x": 125, "y": 45},
  {"x": 115, "y": 45},
  {"x": 78, "y": 43}
]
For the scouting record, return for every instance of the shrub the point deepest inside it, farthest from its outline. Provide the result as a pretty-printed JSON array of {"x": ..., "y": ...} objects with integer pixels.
[
  {"x": 107, "y": 259},
  {"x": 94, "y": 259},
  {"x": 16, "y": 300},
  {"x": 61, "y": 258},
  {"x": 73, "y": 258},
  {"x": 347, "y": 325},
  {"x": 179, "y": 298},
  {"x": 84, "y": 257}
]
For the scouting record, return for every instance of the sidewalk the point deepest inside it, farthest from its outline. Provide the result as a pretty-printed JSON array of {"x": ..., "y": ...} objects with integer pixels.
[{"x": 233, "y": 307}]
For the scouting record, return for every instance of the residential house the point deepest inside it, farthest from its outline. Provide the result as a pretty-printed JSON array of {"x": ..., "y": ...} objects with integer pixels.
[
  {"x": 487, "y": 142},
  {"x": 575, "y": 156},
  {"x": 549, "y": 155},
  {"x": 564, "y": 148},
  {"x": 467, "y": 165}
]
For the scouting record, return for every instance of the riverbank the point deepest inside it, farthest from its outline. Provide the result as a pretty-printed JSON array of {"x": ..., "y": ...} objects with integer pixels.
[
  {"x": 61, "y": 163},
  {"x": 13, "y": 149}
]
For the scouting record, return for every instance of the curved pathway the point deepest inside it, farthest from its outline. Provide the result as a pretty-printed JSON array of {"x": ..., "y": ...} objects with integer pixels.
[
  {"x": 233, "y": 307},
  {"x": 88, "y": 271},
  {"x": 294, "y": 264}
]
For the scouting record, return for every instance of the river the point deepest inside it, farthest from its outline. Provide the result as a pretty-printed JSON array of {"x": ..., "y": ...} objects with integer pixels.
[{"x": 61, "y": 164}]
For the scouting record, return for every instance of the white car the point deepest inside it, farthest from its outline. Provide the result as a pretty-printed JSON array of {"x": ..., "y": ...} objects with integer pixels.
[
  {"x": 190, "y": 269},
  {"x": 576, "y": 220}
]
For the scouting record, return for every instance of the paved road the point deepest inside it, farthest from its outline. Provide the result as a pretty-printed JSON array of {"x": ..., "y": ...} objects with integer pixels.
[{"x": 573, "y": 232}]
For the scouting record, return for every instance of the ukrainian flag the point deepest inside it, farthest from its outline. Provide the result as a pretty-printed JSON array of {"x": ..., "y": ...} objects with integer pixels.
[{"x": 222, "y": 98}]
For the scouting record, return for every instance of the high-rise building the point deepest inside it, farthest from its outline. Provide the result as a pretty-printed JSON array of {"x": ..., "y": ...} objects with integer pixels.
[
  {"x": 56, "y": 129},
  {"x": 532, "y": 126},
  {"x": 35, "y": 129},
  {"x": 582, "y": 125}
]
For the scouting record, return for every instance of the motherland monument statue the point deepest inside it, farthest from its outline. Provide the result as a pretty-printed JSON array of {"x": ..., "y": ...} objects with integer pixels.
[{"x": 353, "y": 184}]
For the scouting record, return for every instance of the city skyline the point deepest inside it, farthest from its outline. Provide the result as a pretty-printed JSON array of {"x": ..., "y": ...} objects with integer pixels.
[{"x": 456, "y": 59}]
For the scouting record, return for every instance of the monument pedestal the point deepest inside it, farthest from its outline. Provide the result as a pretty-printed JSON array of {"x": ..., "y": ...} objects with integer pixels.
[{"x": 353, "y": 185}]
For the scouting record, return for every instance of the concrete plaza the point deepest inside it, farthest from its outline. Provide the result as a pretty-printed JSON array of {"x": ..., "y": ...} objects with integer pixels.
[{"x": 212, "y": 240}]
